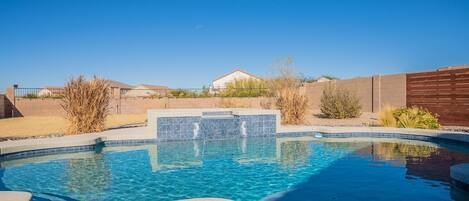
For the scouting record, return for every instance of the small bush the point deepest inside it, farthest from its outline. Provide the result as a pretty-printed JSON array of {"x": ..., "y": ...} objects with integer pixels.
[
  {"x": 292, "y": 103},
  {"x": 30, "y": 95},
  {"x": 245, "y": 88},
  {"x": 184, "y": 93},
  {"x": 339, "y": 103},
  {"x": 53, "y": 96},
  {"x": 86, "y": 104},
  {"x": 155, "y": 96}
]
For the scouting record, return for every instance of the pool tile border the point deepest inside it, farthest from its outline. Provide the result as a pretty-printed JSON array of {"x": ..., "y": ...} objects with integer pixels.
[{"x": 142, "y": 135}]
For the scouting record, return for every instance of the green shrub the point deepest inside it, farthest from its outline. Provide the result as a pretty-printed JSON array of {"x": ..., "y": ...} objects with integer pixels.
[
  {"x": 245, "y": 88},
  {"x": 413, "y": 117},
  {"x": 339, "y": 103},
  {"x": 30, "y": 95},
  {"x": 53, "y": 96},
  {"x": 416, "y": 117},
  {"x": 184, "y": 93}
]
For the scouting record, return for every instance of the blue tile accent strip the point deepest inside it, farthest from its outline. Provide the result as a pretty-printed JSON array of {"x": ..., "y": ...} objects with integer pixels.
[{"x": 184, "y": 128}]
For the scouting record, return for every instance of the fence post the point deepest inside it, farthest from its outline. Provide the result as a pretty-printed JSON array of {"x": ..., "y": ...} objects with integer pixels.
[{"x": 376, "y": 93}]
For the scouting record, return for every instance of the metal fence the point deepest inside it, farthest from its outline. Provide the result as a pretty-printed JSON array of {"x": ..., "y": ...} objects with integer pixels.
[{"x": 39, "y": 92}]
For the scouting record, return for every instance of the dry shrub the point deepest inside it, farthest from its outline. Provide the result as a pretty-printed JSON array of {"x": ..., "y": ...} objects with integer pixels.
[
  {"x": 338, "y": 103},
  {"x": 86, "y": 104},
  {"x": 286, "y": 89},
  {"x": 386, "y": 117},
  {"x": 292, "y": 104}
]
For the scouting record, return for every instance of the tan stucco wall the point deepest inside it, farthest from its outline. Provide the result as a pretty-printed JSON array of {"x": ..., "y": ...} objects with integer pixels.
[
  {"x": 393, "y": 90},
  {"x": 374, "y": 92},
  {"x": 51, "y": 107}
]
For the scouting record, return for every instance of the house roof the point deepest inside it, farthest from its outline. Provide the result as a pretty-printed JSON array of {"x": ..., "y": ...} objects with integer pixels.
[
  {"x": 154, "y": 87},
  {"x": 236, "y": 70},
  {"x": 117, "y": 84}
]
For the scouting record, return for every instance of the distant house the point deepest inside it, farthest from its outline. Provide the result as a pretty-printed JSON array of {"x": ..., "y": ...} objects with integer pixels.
[
  {"x": 145, "y": 90},
  {"x": 51, "y": 91},
  {"x": 119, "y": 85},
  {"x": 220, "y": 82},
  {"x": 323, "y": 79}
]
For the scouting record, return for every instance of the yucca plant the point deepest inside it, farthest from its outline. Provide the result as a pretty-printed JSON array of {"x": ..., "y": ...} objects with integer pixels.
[
  {"x": 413, "y": 117},
  {"x": 86, "y": 104},
  {"x": 416, "y": 117}
]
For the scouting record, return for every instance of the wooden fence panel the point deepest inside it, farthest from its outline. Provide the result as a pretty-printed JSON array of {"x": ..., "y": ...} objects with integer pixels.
[{"x": 443, "y": 92}]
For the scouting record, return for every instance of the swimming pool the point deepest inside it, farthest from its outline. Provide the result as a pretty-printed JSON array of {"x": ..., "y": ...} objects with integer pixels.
[{"x": 269, "y": 168}]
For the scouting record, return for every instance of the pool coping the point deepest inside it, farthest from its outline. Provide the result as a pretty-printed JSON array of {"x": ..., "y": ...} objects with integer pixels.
[{"x": 139, "y": 135}]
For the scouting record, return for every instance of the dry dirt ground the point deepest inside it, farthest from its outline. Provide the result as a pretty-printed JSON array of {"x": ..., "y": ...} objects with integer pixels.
[
  {"x": 22, "y": 127},
  {"x": 366, "y": 119}
]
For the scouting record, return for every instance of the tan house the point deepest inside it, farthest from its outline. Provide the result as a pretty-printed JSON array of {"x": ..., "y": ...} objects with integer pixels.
[
  {"x": 323, "y": 79},
  {"x": 145, "y": 90},
  {"x": 220, "y": 82}
]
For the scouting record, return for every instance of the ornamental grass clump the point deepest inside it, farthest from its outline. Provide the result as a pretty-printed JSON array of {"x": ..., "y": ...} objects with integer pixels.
[
  {"x": 339, "y": 103},
  {"x": 86, "y": 104},
  {"x": 386, "y": 117}
]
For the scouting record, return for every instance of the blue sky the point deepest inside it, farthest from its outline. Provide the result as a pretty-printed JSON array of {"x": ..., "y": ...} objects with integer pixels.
[{"x": 182, "y": 43}]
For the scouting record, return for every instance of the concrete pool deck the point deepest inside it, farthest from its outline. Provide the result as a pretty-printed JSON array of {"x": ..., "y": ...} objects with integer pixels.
[{"x": 15, "y": 196}]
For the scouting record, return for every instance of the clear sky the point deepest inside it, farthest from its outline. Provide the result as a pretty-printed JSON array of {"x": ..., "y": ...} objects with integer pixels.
[{"x": 182, "y": 43}]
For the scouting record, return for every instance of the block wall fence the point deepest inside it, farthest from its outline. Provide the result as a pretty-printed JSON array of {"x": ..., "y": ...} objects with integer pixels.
[{"x": 374, "y": 92}]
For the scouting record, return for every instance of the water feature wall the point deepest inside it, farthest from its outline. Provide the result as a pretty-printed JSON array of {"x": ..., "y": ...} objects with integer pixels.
[{"x": 186, "y": 124}]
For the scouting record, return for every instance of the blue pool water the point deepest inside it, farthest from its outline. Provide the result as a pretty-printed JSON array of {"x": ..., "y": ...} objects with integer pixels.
[{"x": 269, "y": 168}]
